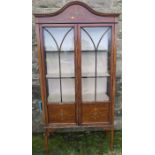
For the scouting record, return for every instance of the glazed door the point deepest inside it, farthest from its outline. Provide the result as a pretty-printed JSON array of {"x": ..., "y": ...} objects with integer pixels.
[
  {"x": 95, "y": 49},
  {"x": 77, "y": 73},
  {"x": 60, "y": 72}
]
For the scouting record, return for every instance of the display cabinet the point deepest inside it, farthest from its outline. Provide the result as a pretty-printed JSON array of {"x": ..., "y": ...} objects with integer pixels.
[{"x": 77, "y": 61}]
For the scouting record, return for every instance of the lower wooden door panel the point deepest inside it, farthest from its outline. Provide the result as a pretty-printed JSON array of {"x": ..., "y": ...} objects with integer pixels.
[
  {"x": 61, "y": 113},
  {"x": 66, "y": 113},
  {"x": 95, "y": 113}
]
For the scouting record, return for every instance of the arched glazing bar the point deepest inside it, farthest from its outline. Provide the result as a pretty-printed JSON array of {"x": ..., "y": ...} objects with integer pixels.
[
  {"x": 52, "y": 38},
  {"x": 102, "y": 37},
  {"x": 89, "y": 37},
  {"x": 65, "y": 37}
]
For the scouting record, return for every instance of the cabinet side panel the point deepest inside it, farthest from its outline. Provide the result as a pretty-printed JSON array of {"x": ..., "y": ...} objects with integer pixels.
[
  {"x": 45, "y": 116},
  {"x": 113, "y": 75}
]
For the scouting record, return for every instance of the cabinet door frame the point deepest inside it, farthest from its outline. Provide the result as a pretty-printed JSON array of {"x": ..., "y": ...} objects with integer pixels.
[
  {"x": 77, "y": 61},
  {"x": 112, "y": 73},
  {"x": 42, "y": 68}
]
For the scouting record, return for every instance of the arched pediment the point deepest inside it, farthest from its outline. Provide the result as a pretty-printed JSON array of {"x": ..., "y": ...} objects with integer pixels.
[{"x": 75, "y": 12}]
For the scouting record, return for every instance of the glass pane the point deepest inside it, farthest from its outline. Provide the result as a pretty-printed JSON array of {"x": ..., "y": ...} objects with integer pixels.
[
  {"x": 68, "y": 90},
  {"x": 59, "y": 50},
  {"x": 52, "y": 64},
  {"x": 88, "y": 89},
  {"x": 67, "y": 64},
  {"x": 68, "y": 43},
  {"x": 54, "y": 90},
  {"x": 102, "y": 63},
  {"x": 49, "y": 42},
  {"x": 88, "y": 63},
  {"x": 105, "y": 42},
  {"x": 102, "y": 94},
  {"x": 103, "y": 54},
  {"x": 86, "y": 41},
  {"x": 95, "y": 64}
]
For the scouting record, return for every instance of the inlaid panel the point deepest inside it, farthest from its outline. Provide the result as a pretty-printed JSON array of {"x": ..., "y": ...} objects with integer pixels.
[
  {"x": 95, "y": 113},
  {"x": 61, "y": 113}
]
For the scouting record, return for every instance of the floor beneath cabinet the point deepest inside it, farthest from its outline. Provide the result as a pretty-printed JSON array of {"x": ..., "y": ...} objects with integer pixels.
[{"x": 77, "y": 143}]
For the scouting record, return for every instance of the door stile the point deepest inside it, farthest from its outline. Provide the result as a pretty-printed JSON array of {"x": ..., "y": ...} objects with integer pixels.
[
  {"x": 40, "y": 61},
  {"x": 113, "y": 66},
  {"x": 76, "y": 75},
  {"x": 43, "y": 72},
  {"x": 112, "y": 72},
  {"x": 79, "y": 75}
]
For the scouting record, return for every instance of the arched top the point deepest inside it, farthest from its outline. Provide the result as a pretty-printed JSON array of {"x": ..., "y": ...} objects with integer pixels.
[
  {"x": 76, "y": 3},
  {"x": 74, "y": 12}
]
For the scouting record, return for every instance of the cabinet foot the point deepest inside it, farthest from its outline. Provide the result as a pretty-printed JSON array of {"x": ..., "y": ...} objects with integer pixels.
[
  {"x": 110, "y": 137},
  {"x": 112, "y": 140},
  {"x": 46, "y": 134}
]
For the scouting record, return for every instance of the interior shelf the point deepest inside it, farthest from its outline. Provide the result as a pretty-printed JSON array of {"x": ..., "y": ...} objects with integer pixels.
[
  {"x": 92, "y": 74},
  {"x": 94, "y": 51},
  {"x": 99, "y": 97},
  {"x": 50, "y": 51},
  {"x": 56, "y": 75},
  {"x": 85, "y": 75},
  {"x": 70, "y": 98}
]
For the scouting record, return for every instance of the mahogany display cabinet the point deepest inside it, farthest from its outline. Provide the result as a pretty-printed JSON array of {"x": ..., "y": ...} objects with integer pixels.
[{"x": 77, "y": 63}]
